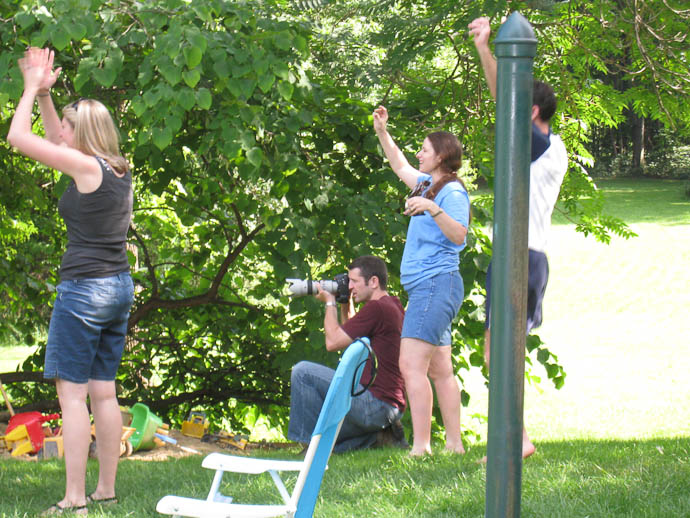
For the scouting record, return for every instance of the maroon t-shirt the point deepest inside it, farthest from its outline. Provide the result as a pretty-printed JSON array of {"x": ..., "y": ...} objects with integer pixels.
[{"x": 381, "y": 321}]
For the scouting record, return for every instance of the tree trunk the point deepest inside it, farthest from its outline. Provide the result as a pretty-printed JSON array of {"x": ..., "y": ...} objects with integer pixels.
[{"x": 638, "y": 140}]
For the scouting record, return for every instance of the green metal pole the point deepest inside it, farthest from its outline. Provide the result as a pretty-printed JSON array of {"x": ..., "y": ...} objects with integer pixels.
[{"x": 515, "y": 47}]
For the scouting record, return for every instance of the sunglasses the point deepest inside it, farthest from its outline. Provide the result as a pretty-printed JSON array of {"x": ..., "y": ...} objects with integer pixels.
[{"x": 75, "y": 104}]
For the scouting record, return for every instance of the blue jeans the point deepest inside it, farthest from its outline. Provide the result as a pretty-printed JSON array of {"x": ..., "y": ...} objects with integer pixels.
[
  {"x": 537, "y": 278},
  {"x": 88, "y": 327},
  {"x": 368, "y": 415}
]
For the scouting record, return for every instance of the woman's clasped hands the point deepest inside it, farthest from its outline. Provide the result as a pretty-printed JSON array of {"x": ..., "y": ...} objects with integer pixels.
[{"x": 417, "y": 205}]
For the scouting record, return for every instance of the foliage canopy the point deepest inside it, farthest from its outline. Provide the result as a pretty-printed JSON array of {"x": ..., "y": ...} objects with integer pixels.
[{"x": 248, "y": 125}]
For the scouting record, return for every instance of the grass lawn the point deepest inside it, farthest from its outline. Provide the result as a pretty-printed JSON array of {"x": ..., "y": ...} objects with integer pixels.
[
  {"x": 616, "y": 316},
  {"x": 613, "y": 443},
  {"x": 11, "y": 357}
]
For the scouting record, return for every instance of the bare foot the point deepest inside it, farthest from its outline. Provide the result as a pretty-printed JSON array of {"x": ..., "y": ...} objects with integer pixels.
[
  {"x": 64, "y": 507},
  {"x": 527, "y": 449},
  {"x": 459, "y": 450},
  {"x": 420, "y": 452}
]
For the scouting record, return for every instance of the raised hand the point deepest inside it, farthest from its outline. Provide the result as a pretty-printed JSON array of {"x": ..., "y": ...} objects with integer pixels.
[
  {"x": 37, "y": 68},
  {"x": 481, "y": 30},
  {"x": 380, "y": 118}
]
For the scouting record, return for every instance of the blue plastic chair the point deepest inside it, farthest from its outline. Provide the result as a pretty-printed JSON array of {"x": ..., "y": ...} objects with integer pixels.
[{"x": 300, "y": 503}]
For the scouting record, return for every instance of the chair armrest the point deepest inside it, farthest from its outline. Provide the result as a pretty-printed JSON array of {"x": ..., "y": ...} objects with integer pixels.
[{"x": 237, "y": 464}]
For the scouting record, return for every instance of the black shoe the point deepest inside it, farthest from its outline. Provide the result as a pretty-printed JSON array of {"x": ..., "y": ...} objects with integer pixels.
[
  {"x": 399, "y": 434},
  {"x": 392, "y": 436}
]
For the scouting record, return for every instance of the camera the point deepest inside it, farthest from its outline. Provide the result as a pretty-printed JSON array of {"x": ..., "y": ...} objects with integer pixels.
[{"x": 339, "y": 286}]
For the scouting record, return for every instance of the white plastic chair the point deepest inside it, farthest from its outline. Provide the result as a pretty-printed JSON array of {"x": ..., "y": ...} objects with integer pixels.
[{"x": 299, "y": 504}]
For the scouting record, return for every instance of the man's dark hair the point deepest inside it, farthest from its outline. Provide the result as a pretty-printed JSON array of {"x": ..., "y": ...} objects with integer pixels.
[
  {"x": 544, "y": 97},
  {"x": 369, "y": 266}
]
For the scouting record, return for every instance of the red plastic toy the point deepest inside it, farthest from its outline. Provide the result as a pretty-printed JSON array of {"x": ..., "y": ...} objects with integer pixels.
[{"x": 34, "y": 426}]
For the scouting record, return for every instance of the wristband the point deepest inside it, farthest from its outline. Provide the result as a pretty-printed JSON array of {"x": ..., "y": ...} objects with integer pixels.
[
  {"x": 329, "y": 303},
  {"x": 440, "y": 211},
  {"x": 46, "y": 94}
]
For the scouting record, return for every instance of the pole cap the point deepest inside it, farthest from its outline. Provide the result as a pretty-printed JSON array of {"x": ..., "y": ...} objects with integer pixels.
[{"x": 515, "y": 38}]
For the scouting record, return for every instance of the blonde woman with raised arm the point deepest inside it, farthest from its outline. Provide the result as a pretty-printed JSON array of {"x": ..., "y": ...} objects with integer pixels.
[{"x": 89, "y": 320}]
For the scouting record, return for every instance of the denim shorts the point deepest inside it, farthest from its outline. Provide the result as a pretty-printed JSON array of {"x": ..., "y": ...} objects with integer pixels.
[
  {"x": 432, "y": 305},
  {"x": 88, "y": 327}
]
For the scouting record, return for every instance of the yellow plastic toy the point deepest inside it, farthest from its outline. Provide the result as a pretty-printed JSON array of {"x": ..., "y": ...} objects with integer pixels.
[
  {"x": 53, "y": 448},
  {"x": 18, "y": 441},
  {"x": 195, "y": 425}
]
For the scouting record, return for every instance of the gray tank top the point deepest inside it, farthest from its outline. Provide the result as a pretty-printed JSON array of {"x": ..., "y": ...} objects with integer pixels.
[{"x": 97, "y": 224}]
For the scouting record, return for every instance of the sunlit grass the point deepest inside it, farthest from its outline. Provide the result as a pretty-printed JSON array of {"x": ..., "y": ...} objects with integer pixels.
[
  {"x": 616, "y": 316},
  {"x": 11, "y": 357}
]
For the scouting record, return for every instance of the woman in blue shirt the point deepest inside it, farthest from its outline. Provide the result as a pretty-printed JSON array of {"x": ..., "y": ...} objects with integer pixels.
[{"x": 430, "y": 275}]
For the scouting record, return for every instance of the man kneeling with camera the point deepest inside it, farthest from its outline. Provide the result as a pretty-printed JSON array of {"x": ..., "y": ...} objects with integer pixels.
[{"x": 374, "y": 419}]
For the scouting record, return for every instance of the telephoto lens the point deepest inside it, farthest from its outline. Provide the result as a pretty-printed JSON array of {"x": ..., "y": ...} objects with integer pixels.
[{"x": 301, "y": 287}]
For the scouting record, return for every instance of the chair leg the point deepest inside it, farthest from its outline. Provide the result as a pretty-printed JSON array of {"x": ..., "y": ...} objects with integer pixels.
[
  {"x": 280, "y": 485},
  {"x": 214, "y": 494}
]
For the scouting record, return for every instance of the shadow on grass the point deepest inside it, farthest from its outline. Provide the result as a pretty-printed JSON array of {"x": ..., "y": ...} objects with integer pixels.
[{"x": 606, "y": 479}]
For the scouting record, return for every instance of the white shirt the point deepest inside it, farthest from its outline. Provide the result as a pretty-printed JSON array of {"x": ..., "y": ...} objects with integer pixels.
[{"x": 546, "y": 176}]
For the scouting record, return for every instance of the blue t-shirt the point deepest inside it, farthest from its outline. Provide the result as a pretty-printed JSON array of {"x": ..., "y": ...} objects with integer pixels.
[{"x": 428, "y": 251}]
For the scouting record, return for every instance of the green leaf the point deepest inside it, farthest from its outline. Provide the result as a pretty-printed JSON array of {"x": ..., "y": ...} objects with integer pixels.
[
  {"x": 234, "y": 89},
  {"x": 283, "y": 40},
  {"x": 105, "y": 76},
  {"x": 272, "y": 221},
  {"x": 266, "y": 82},
  {"x": 241, "y": 70},
  {"x": 162, "y": 138},
  {"x": 204, "y": 98},
  {"x": 185, "y": 98},
  {"x": 241, "y": 55},
  {"x": 145, "y": 74},
  {"x": 191, "y": 77},
  {"x": 222, "y": 69},
  {"x": 24, "y": 19},
  {"x": 198, "y": 40},
  {"x": 247, "y": 87},
  {"x": 261, "y": 66},
  {"x": 552, "y": 370},
  {"x": 174, "y": 123},
  {"x": 285, "y": 89},
  {"x": 281, "y": 70},
  {"x": 170, "y": 72},
  {"x": 248, "y": 140},
  {"x": 138, "y": 106},
  {"x": 59, "y": 37},
  {"x": 255, "y": 156},
  {"x": 300, "y": 44},
  {"x": 202, "y": 12},
  {"x": 151, "y": 97},
  {"x": 192, "y": 56},
  {"x": 543, "y": 355},
  {"x": 76, "y": 30},
  {"x": 83, "y": 76},
  {"x": 137, "y": 37}
]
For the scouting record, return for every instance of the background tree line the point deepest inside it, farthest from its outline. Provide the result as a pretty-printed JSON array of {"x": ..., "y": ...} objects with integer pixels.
[{"x": 248, "y": 125}]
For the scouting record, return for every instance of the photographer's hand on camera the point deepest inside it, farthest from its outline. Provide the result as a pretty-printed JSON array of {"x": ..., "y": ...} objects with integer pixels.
[
  {"x": 336, "y": 338},
  {"x": 324, "y": 296}
]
